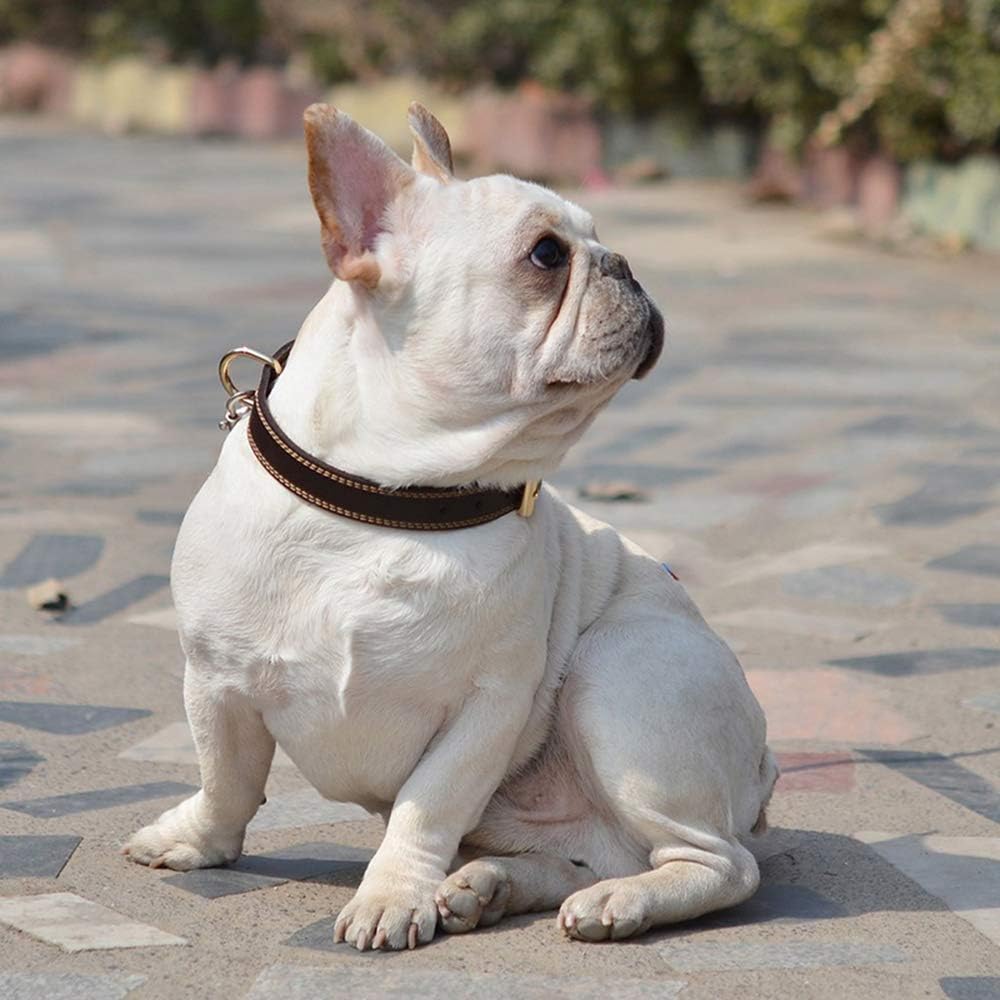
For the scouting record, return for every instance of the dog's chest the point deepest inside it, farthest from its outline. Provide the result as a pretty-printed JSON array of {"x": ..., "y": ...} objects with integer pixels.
[{"x": 356, "y": 646}]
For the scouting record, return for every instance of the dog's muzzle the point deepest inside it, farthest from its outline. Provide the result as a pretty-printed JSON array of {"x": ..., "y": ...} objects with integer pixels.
[{"x": 654, "y": 333}]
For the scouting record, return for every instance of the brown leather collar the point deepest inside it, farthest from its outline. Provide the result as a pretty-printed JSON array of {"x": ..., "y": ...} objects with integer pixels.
[{"x": 420, "y": 508}]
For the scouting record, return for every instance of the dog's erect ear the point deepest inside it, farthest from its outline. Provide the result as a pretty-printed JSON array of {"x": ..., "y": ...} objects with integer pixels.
[
  {"x": 353, "y": 176},
  {"x": 431, "y": 147}
]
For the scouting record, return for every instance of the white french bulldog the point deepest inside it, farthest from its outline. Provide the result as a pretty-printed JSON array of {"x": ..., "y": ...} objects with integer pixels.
[{"x": 534, "y": 705}]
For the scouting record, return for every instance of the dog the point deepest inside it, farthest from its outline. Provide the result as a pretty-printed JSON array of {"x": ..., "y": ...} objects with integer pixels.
[{"x": 533, "y": 704}]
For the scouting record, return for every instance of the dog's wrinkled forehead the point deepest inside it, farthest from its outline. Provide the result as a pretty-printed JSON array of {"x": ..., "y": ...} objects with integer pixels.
[{"x": 526, "y": 210}]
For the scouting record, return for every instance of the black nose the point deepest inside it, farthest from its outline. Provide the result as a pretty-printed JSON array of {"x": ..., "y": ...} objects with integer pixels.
[{"x": 614, "y": 265}]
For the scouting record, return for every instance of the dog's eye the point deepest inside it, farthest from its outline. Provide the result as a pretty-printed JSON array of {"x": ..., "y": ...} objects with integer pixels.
[{"x": 548, "y": 253}]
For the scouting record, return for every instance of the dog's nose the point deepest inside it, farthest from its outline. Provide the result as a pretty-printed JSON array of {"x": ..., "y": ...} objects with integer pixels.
[{"x": 614, "y": 265}]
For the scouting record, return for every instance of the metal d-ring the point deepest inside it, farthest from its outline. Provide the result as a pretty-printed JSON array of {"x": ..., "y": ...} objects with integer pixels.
[
  {"x": 240, "y": 402},
  {"x": 243, "y": 352}
]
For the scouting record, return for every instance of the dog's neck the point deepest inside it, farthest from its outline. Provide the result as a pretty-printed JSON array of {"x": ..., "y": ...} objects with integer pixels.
[{"x": 341, "y": 398}]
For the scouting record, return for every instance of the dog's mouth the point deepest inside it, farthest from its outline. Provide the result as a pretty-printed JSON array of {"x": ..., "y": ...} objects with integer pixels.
[{"x": 655, "y": 333}]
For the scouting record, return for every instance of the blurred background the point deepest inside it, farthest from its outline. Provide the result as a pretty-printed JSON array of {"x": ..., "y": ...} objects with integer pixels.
[{"x": 883, "y": 113}]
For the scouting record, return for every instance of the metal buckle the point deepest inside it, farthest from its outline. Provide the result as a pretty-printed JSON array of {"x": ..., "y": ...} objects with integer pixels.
[
  {"x": 531, "y": 490},
  {"x": 240, "y": 402}
]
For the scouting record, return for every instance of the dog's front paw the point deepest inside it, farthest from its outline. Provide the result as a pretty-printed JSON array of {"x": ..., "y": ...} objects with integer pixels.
[
  {"x": 474, "y": 896},
  {"x": 174, "y": 841},
  {"x": 391, "y": 916},
  {"x": 615, "y": 908}
]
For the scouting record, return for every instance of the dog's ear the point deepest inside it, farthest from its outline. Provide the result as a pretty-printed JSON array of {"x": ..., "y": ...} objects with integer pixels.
[
  {"x": 431, "y": 147},
  {"x": 353, "y": 176}
]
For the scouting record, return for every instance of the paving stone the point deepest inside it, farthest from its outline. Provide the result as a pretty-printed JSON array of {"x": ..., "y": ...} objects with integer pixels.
[
  {"x": 67, "y": 720},
  {"x": 632, "y": 440},
  {"x": 165, "y": 618},
  {"x": 848, "y": 585},
  {"x": 983, "y": 560},
  {"x": 720, "y": 956},
  {"x": 16, "y": 761},
  {"x": 46, "y": 556},
  {"x": 921, "y": 661},
  {"x": 989, "y": 702},
  {"x": 35, "y": 856},
  {"x": 814, "y": 556},
  {"x": 926, "y": 508},
  {"x": 169, "y": 517},
  {"x": 27, "y": 683},
  {"x": 100, "y": 798},
  {"x": 918, "y": 425},
  {"x": 937, "y": 772},
  {"x": 257, "y": 871},
  {"x": 971, "y": 615},
  {"x": 791, "y": 622},
  {"x": 815, "y": 772},
  {"x": 66, "y": 986},
  {"x": 738, "y": 451},
  {"x": 644, "y": 475},
  {"x": 776, "y": 902},
  {"x": 963, "y": 872},
  {"x": 970, "y": 987},
  {"x": 303, "y": 808},
  {"x": 174, "y": 744},
  {"x": 838, "y": 709},
  {"x": 114, "y": 600},
  {"x": 35, "y": 645},
  {"x": 379, "y": 980},
  {"x": 76, "y": 924},
  {"x": 108, "y": 488}
]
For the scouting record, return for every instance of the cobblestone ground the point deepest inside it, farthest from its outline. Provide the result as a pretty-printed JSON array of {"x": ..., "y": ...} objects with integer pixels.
[{"x": 818, "y": 458}]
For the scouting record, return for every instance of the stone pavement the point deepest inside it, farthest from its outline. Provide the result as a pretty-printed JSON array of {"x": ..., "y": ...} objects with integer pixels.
[{"x": 817, "y": 457}]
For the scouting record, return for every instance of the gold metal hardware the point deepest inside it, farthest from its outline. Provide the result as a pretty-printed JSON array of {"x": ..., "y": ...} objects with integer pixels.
[
  {"x": 240, "y": 402},
  {"x": 531, "y": 490}
]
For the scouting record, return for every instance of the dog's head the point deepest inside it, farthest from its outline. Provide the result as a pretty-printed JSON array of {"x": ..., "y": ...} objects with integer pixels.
[{"x": 500, "y": 315}]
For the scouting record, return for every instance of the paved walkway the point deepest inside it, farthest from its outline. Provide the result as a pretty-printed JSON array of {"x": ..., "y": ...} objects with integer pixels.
[{"x": 818, "y": 455}]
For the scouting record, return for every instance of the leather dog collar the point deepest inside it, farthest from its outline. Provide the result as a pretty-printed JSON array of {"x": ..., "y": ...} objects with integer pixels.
[{"x": 419, "y": 508}]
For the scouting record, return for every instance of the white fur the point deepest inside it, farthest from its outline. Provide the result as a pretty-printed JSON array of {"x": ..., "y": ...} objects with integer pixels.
[{"x": 530, "y": 685}]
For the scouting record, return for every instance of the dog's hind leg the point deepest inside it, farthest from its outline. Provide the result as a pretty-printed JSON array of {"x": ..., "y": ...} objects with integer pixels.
[
  {"x": 482, "y": 891},
  {"x": 234, "y": 751}
]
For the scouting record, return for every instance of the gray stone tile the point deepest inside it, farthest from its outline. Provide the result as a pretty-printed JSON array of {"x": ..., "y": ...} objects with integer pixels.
[
  {"x": 633, "y": 440},
  {"x": 983, "y": 560},
  {"x": 720, "y": 956},
  {"x": 35, "y": 645},
  {"x": 100, "y": 798},
  {"x": 640, "y": 473},
  {"x": 213, "y": 883},
  {"x": 303, "y": 808},
  {"x": 925, "y": 507},
  {"x": 114, "y": 601},
  {"x": 67, "y": 720},
  {"x": 76, "y": 924},
  {"x": 944, "y": 776},
  {"x": 919, "y": 425},
  {"x": 971, "y": 615},
  {"x": 378, "y": 980},
  {"x": 970, "y": 987},
  {"x": 338, "y": 863},
  {"x": 963, "y": 872},
  {"x": 16, "y": 761},
  {"x": 45, "y": 556},
  {"x": 776, "y": 902},
  {"x": 989, "y": 702},
  {"x": 738, "y": 451},
  {"x": 66, "y": 986},
  {"x": 848, "y": 585},
  {"x": 169, "y": 517},
  {"x": 35, "y": 856},
  {"x": 108, "y": 488},
  {"x": 921, "y": 661}
]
